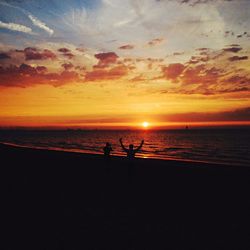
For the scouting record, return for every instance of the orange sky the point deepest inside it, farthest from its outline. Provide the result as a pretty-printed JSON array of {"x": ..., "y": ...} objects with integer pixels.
[{"x": 121, "y": 70}]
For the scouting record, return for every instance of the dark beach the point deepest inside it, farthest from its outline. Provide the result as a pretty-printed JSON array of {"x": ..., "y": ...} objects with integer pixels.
[{"x": 64, "y": 200}]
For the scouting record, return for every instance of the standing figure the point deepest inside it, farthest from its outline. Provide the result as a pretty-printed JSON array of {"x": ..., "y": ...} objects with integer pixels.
[
  {"x": 107, "y": 149},
  {"x": 131, "y": 151}
]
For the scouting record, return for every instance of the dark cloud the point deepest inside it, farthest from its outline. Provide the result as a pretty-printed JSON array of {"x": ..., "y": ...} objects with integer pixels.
[
  {"x": 127, "y": 46},
  {"x": 26, "y": 69},
  {"x": 234, "y": 115},
  {"x": 193, "y": 75},
  {"x": 233, "y": 49},
  {"x": 67, "y": 66},
  {"x": 64, "y": 50},
  {"x": 107, "y": 74},
  {"x": 36, "y": 54},
  {"x": 41, "y": 69},
  {"x": 207, "y": 80},
  {"x": 244, "y": 34},
  {"x": 202, "y": 49},
  {"x": 237, "y": 79},
  {"x": 237, "y": 58},
  {"x": 27, "y": 75},
  {"x": 69, "y": 55},
  {"x": 81, "y": 49},
  {"x": 199, "y": 59},
  {"x": 4, "y": 55},
  {"x": 172, "y": 71},
  {"x": 17, "y": 75},
  {"x": 81, "y": 68},
  {"x": 105, "y": 59},
  {"x": 234, "y": 45},
  {"x": 195, "y": 2},
  {"x": 178, "y": 53},
  {"x": 233, "y": 90},
  {"x": 155, "y": 41}
]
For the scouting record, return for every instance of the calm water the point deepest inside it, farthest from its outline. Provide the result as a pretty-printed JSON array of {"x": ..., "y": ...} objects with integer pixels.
[{"x": 216, "y": 145}]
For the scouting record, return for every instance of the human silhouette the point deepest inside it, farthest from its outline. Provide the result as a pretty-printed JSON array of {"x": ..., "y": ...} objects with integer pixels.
[
  {"x": 131, "y": 151},
  {"x": 107, "y": 149}
]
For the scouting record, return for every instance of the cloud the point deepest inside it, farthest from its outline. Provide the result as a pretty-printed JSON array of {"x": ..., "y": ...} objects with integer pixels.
[
  {"x": 40, "y": 24},
  {"x": 17, "y": 76},
  {"x": 34, "y": 20},
  {"x": 81, "y": 49},
  {"x": 195, "y": 2},
  {"x": 4, "y": 56},
  {"x": 202, "y": 80},
  {"x": 233, "y": 49},
  {"x": 127, "y": 46},
  {"x": 26, "y": 75},
  {"x": 66, "y": 52},
  {"x": 138, "y": 78},
  {"x": 105, "y": 59},
  {"x": 237, "y": 58},
  {"x": 107, "y": 74},
  {"x": 206, "y": 80},
  {"x": 69, "y": 55},
  {"x": 16, "y": 27},
  {"x": 178, "y": 53},
  {"x": 155, "y": 41},
  {"x": 199, "y": 59},
  {"x": 242, "y": 114},
  {"x": 172, "y": 71},
  {"x": 67, "y": 66},
  {"x": 35, "y": 54},
  {"x": 238, "y": 80},
  {"x": 41, "y": 69}
]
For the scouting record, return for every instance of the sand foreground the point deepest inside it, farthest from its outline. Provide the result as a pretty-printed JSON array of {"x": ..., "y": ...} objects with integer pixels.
[{"x": 59, "y": 200}]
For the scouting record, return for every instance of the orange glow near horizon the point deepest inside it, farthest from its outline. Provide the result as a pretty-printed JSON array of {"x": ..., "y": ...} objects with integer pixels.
[{"x": 62, "y": 123}]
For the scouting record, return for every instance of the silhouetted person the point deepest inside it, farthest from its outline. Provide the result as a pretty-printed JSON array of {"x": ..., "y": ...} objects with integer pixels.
[
  {"x": 107, "y": 149},
  {"x": 131, "y": 151}
]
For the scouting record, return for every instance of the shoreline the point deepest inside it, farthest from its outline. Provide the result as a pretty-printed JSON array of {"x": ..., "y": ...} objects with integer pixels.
[{"x": 148, "y": 160}]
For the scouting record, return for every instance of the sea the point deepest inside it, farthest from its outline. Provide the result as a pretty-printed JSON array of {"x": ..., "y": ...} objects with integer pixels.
[{"x": 222, "y": 146}]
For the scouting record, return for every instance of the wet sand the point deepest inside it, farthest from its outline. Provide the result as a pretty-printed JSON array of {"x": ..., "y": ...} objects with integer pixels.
[{"x": 61, "y": 200}]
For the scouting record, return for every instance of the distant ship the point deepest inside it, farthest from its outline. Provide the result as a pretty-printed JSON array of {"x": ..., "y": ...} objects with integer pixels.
[{"x": 187, "y": 128}]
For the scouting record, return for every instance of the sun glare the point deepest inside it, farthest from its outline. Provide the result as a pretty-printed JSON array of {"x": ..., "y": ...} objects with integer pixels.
[{"x": 145, "y": 124}]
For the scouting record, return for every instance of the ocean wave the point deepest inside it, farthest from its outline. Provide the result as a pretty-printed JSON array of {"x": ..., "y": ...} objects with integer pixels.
[{"x": 203, "y": 146}]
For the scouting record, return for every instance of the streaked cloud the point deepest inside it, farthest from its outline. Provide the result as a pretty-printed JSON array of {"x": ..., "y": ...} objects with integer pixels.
[
  {"x": 155, "y": 41},
  {"x": 35, "y": 21},
  {"x": 241, "y": 114},
  {"x": 127, "y": 46},
  {"x": 16, "y": 27},
  {"x": 237, "y": 58},
  {"x": 40, "y": 24},
  {"x": 233, "y": 49}
]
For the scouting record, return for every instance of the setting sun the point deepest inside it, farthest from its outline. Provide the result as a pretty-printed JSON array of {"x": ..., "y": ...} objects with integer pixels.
[{"x": 145, "y": 124}]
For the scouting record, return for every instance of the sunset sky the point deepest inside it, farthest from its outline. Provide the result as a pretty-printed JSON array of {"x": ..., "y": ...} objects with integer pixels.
[{"x": 121, "y": 62}]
